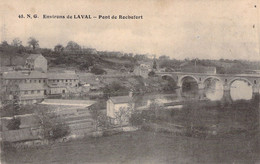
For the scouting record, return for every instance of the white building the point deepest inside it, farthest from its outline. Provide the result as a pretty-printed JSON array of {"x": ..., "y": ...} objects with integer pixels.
[{"x": 119, "y": 108}]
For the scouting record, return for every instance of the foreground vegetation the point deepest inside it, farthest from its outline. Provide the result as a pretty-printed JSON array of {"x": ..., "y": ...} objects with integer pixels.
[{"x": 142, "y": 147}]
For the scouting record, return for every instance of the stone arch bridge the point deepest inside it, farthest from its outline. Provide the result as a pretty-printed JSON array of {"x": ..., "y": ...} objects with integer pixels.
[{"x": 226, "y": 79}]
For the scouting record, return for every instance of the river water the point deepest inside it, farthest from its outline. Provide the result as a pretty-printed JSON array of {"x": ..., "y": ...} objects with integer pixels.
[{"x": 213, "y": 91}]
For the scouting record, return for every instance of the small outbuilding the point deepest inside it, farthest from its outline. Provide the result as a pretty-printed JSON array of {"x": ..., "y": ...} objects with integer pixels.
[{"x": 119, "y": 109}]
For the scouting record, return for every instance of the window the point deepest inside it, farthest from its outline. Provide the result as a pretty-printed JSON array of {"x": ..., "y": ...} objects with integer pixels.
[
  {"x": 74, "y": 79},
  {"x": 39, "y": 81},
  {"x": 26, "y": 92},
  {"x": 32, "y": 92},
  {"x": 255, "y": 81},
  {"x": 58, "y": 80},
  {"x": 44, "y": 81},
  {"x": 30, "y": 81},
  {"x": 66, "y": 80},
  {"x": 38, "y": 91},
  {"x": 225, "y": 80}
]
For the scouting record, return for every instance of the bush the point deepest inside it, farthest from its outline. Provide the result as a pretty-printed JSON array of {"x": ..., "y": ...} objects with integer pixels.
[
  {"x": 58, "y": 131},
  {"x": 151, "y": 74},
  {"x": 136, "y": 119},
  {"x": 98, "y": 71},
  {"x": 14, "y": 124},
  {"x": 115, "y": 89}
]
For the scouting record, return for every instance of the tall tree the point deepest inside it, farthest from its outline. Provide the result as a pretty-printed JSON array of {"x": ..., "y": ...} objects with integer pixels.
[
  {"x": 32, "y": 42},
  {"x": 16, "y": 42},
  {"x": 58, "y": 48},
  {"x": 4, "y": 44},
  {"x": 154, "y": 64},
  {"x": 73, "y": 46}
]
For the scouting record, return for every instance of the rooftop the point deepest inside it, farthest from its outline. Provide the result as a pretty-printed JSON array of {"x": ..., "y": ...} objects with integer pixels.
[
  {"x": 121, "y": 99},
  {"x": 34, "y": 56},
  {"x": 30, "y": 86},
  {"x": 24, "y": 75},
  {"x": 59, "y": 75}
]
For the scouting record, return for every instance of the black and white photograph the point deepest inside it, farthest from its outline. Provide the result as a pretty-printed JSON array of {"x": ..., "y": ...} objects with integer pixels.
[{"x": 130, "y": 81}]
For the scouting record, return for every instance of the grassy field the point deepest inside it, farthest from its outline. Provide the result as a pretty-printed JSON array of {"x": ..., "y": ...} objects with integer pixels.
[{"x": 142, "y": 147}]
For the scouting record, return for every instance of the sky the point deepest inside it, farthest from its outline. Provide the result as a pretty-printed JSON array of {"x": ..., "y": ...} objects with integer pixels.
[{"x": 206, "y": 29}]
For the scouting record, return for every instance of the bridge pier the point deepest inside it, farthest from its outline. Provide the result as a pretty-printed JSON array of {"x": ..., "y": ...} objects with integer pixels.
[
  {"x": 201, "y": 94},
  {"x": 226, "y": 88},
  {"x": 178, "y": 93},
  {"x": 227, "y": 96},
  {"x": 255, "y": 89},
  {"x": 201, "y": 86}
]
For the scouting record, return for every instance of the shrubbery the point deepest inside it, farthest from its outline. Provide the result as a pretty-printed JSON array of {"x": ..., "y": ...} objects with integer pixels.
[
  {"x": 14, "y": 124},
  {"x": 115, "y": 89},
  {"x": 53, "y": 126}
]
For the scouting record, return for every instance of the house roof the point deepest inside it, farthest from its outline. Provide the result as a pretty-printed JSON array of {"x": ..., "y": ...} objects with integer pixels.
[
  {"x": 34, "y": 56},
  {"x": 24, "y": 75},
  {"x": 58, "y": 75},
  {"x": 57, "y": 86},
  {"x": 121, "y": 99},
  {"x": 30, "y": 86}
]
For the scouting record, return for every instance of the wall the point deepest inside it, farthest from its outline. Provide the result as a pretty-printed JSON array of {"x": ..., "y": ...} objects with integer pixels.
[
  {"x": 40, "y": 62},
  {"x": 58, "y": 90}
]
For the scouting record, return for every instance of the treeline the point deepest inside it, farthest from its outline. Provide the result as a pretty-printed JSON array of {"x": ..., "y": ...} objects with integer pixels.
[
  {"x": 223, "y": 66},
  {"x": 75, "y": 55}
]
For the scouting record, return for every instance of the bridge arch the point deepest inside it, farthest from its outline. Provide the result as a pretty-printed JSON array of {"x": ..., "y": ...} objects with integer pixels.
[
  {"x": 212, "y": 77},
  {"x": 180, "y": 80},
  {"x": 239, "y": 78},
  {"x": 164, "y": 77}
]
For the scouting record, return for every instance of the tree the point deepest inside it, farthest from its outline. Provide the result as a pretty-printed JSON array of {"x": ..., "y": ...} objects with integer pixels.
[
  {"x": 52, "y": 125},
  {"x": 4, "y": 44},
  {"x": 151, "y": 74},
  {"x": 114, "y": 89},
  {"x": 58, "y": 48},
  {"x": 154, "y": 64},
  {"x": 14, "y": 124},
  {"x": 95, "y": 114},
  {"x": 123, "y": 114},
  {"x": 97, "y": 71},
  {"x": 164, "y": 57},
  {"x": 73, "y": 46},
  {"x": 16, "y": 42},
  {"x": 32, "y": 42}
]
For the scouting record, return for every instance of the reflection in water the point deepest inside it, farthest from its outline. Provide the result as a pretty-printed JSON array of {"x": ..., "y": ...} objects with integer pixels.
[
  {"x": 241, "y": 90},
  {"x": 214, "y": 90}
]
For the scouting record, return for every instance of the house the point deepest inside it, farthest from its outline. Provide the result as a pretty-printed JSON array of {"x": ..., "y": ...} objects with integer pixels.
[
  {"x": 28, "y": 85},
  {"x": 27, "y": 93},
  {"x": 119, "y": 109},
  {"x": 36, "y": 62},
  {"x": 143, "y": 70},
  {"x": 63, "y": 78}
]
